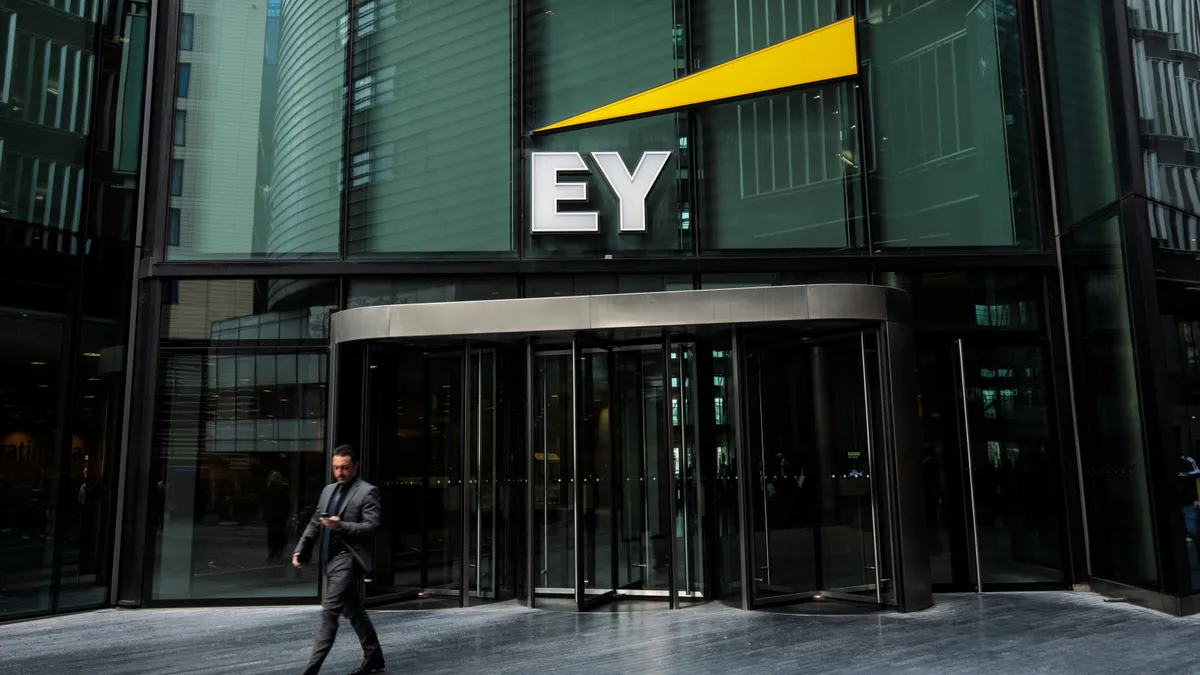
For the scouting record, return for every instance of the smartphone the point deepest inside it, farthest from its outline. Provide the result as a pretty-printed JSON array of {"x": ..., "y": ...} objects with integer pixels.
[{"x": 324, "y": 514}]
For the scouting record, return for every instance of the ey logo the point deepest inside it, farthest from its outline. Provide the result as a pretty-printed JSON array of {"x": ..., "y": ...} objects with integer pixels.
[{"x": 825, "y": 54}]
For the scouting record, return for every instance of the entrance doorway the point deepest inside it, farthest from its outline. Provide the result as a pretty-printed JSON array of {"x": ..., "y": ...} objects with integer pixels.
[
  {"x": 812, "y": 414},
  {"x": 434, "y": 438},
  {"x": 700, "y": 453},
  {"x": 994, "y": 512},
  {"x": 617, "y": 486}
]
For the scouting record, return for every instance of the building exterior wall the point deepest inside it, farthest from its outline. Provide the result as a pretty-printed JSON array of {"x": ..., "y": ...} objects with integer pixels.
[
  {"x": 72, "y": 86},
  {"x": 1030, "y": 179}
]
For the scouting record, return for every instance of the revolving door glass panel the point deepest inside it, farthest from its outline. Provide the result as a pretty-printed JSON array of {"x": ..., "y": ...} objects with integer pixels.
[
  {"x": 616, "y": 472},
  {"x": 430, "y": 446},
  {"x": 810, "y": 440}
]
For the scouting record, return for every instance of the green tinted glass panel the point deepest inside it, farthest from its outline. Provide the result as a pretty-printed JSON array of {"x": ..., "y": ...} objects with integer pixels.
[
  {"x": 779, "y": 171},
  {"x": 582, "y": 55},
  {"x": 261, "y": 164},
  {"x": 1165, "y": 47},
  {"x": 401, "y": 291},
  {"x": 1083, "y": 136},
  {"x": 952, "y": 152},
  {"x": 432, "y": 129},
  {"x": 1116, "y": 479},
  {"x": 542, "y": 286}
]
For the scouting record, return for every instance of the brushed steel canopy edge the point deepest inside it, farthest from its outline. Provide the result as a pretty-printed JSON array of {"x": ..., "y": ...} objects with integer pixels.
[{"x": 660, "y": 309}]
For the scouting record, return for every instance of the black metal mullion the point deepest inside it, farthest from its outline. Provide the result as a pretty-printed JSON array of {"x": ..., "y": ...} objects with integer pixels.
[
  {"x": 672, "y": 498},
  {"x": 427, "y": 375},
  {"x": 530, "y": 538},
  {"x": 161, "y": 122},
  {"x": 347, "y": 128},
  {"x": 576, "y": 491},
  {"x": 517, "y": 228},
  {"x": 464, "y": 412},
  {"x": 614, "y": 449},
  {"x": 741, "y": 457},
  {"x": 709, "y": 263}
]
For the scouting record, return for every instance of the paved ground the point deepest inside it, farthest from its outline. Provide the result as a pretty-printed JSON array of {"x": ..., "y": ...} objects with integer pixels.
[{"x": 1005, "y": 633}]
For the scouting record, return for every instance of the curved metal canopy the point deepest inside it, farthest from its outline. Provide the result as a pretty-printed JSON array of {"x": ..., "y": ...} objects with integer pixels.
[{"x": 735, "y": 306}]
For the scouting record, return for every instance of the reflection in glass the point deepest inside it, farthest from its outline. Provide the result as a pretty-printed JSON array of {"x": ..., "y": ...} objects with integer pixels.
[
  {"x": 544, "y": 285},
  {"x": 1114, "y": 466},
  {"x": 553, "y": 496},
  {"x": 32, "y": 332},
  {"x": 238, "y": 457},
  {"x": 685, "y": 464},
  {"x": 262, "y": 86},
  {"x": 725, "y": 413},
  {"x": 1084, "y": 156},
  {"x": 810, "y": 455},
  {"x": 365, "y": 292},
  {"x": 783, "y": 171},
  {"x": 643, "y": 534},
  {"x": 432, "y": 128},
  {"x": 629, "y": 47},
  {"x": 484, "y": 507},
  {"x": 951, "y": 138},
  {"x": 97, "y": 415},
  {"x": 780, "y": 171},
  {"x": 1013, "y": 465},
  {"x": 595, "y": 470},
  {"x": 241, "y": 462},
  {"x": 1165, "y": 47},
  {"x": 442, "y": 501}
]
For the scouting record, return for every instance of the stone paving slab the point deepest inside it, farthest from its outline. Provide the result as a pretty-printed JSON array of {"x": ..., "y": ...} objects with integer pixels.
[{"x": 1004, "y": 633}]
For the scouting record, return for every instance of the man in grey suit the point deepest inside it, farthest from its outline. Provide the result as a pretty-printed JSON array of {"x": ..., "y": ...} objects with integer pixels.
[{"x": 346, "y": 518}]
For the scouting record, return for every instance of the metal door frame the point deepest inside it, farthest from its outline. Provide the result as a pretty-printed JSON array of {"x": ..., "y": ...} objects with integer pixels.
[
  {"x": 750, "y": 563},
  {"x": 469, "y": 356},
  {"x": 961, "y": 344},
  {"x": 889, "y": 310}
]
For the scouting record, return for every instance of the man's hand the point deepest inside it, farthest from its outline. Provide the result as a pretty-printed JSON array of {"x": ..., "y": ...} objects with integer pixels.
[
  {"x": 296, "y": 561},
  {"x": 332, "y": 522}
]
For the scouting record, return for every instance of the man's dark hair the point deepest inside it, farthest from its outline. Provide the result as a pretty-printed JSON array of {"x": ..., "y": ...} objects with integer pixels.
[{"x": 346, "y": 451}]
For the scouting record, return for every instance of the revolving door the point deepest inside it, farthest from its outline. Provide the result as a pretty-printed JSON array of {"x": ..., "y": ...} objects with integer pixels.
[
  {"x": 753, "y": 446},
  {"x": 616, "y": 484}
]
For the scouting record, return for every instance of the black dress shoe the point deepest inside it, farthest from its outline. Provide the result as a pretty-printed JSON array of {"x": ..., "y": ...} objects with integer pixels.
[{"x": 373, "y": 667}]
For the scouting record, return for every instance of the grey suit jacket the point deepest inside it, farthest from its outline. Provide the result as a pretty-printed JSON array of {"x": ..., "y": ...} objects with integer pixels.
[{"x": 359, "y": 511}]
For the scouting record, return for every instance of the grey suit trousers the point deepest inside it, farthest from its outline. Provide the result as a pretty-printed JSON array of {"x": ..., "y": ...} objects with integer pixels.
[{"x": 342, "y": 583}]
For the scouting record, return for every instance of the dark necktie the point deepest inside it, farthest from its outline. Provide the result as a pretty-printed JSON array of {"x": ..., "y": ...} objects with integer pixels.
[{"x": 332, "y": 509}]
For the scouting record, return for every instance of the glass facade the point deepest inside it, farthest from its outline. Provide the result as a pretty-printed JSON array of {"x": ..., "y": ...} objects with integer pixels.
[
  {"x": 1029, "y": 180},
  {"x": 238, "y": 451},
  {"x": 72, "y": 78},
  {"x": 259, "y": 171}
]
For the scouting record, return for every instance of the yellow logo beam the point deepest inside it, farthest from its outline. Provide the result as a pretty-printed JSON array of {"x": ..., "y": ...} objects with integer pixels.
[{"x": 824, "y": 54}]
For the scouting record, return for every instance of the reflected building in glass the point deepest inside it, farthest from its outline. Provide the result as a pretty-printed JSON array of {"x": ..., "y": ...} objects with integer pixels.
[{"x": 236, "y": 234}]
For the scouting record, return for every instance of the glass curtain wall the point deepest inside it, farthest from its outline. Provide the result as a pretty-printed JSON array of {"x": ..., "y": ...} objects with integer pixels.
[
  {"x": 63, "y": 328},
  {"x": 1115, "y": 465},
  {"x": 582, "y": 55},
  {"x": 238, "y": 455},
  {"x": 951, "y": 156},
  {"x": 69, "y": 148},
  {"x": 271, "y": 143},
  {"x": 1165, "y": 53},
  {"x": 431, "y": 129},
  {"x": 783, "y": 171},
  {"x": 256, "y": 169},
  {"x": 993, "y": 466}
]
